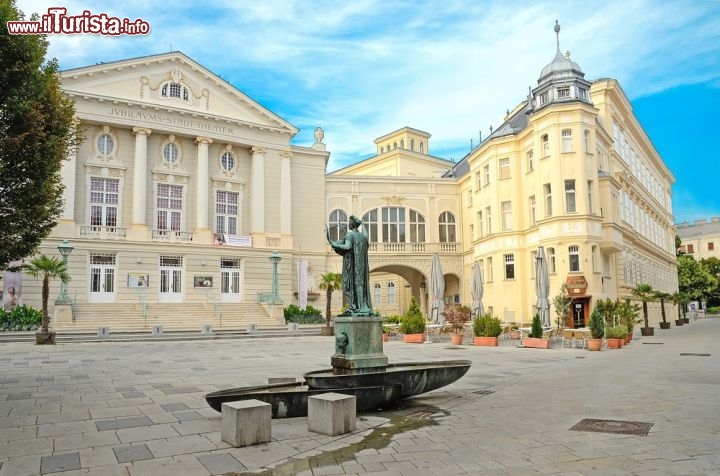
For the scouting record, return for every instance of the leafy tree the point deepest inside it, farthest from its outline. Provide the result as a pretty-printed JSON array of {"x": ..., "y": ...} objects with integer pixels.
[
  {"x": 329, "y": 282},
  {"x": 37, "y": 129},
  {"x": 712, "y": 265},
  {"x": 561, "y": 303},
  {"x": 645, "y": 293},
  {"x": 47, "y": 268},
  {"x": 693, "y": 279},
  {"x": 678, "y": 243}
]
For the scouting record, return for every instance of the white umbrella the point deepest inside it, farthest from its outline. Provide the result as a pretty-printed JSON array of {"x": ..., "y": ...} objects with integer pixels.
[
  {"x": 542, "y": 286},
  {"x": 477, "y": 289},
  {"x": 437, "y": 290}
]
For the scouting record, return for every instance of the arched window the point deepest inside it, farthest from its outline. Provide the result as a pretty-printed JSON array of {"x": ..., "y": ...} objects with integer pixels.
[
  {"x": 377, "y": 294},
  {"x": 394, "y": 145},
  {"x": 391, "y": 293},
  {"x": 393, "y": 225},
  {"x": 412, "y": 144},
  {"x": 337, "y": 224},
  {"x": 370, "y": 223},
  {"x": 402, "y": 143},
  {"x": 447, "y": 227},
  {"x": 422, "y": 147},
  {"x": 417, "y": 227}
]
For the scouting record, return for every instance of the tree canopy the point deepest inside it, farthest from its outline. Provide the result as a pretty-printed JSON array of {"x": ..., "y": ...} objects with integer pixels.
[
  {"x": 694, "y": 280},
  {"x": 37, "y": 129}
]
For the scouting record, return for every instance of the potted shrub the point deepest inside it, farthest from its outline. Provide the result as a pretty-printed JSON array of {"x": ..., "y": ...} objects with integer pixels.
[
  {"x": 614, "y": 336},
  {"x": 457, "y": 316},
  {"x": 391, "y": 325},
  {"x": 597, "y": 329},
  {"x": 645, "y": 293},
  {"x": 629, "y": 314},
  {"x": 486, "y": 330},
  {"x": 535, "y": 337},
  {"x": 46, "y": 268},
  {"x": 413, "y": 324}
]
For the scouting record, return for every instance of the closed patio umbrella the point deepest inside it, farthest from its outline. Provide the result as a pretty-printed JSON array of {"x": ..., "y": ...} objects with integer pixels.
[
  {"x": 542, "y": 287},
  {"x": 437, "y": 290},
  {"x": 477, "y": 289}
]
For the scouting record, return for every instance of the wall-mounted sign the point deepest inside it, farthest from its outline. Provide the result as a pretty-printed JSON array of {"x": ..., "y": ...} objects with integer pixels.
[
  {"x": 576, "y": 284},
  {"x": 202, "y": 281},
  {"x": 138, "y": 280}
]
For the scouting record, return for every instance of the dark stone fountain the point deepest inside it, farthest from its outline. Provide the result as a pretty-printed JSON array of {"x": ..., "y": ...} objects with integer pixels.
[{"x": 359, "y": 366}]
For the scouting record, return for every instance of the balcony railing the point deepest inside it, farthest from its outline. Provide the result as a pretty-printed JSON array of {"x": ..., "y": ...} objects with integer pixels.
[
  {"x": 109, "y": 232},
  {"x": 171, "y": 235},
  {"x": 413, "y": 248}
]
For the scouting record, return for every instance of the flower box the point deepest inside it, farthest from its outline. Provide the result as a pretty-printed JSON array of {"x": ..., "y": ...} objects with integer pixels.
[
  {"x": 414, "y": 338},
  {"x": 486, "y": 341},
  {"x": 536, "y": 343}
]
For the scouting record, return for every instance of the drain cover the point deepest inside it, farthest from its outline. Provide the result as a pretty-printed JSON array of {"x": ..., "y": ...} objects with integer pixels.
[
  {"x": 578, "y": 357},
  {"x": 614, "y": 426},
  {"x": 696, "y": 355},
  {"x": 653, "y": 343}
]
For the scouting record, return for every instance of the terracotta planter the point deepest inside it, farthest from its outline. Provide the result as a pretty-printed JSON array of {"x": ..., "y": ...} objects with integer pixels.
[
  {"x": 536, "y": 343},
  {"x": 630, "y": 337},
  {"x": 594, "y": 344},
  {"x": 386, "y": 337},
  {"x": 486, "y": 341},
  {"x": 647, "y": 331},
  {"x": 613, "y": 343},
  {"x": 664, "y": 325},
  {"x": 456, "y": 339},
  {"x": 679, "y": 322},
  {"x": 45, "y": 338},
  {"x": 414, "y": 338},
  {"x": 627, "y": 339}
]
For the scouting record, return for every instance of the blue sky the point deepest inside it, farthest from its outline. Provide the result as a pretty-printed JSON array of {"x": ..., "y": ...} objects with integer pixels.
[{"x": 364, "y": 68}]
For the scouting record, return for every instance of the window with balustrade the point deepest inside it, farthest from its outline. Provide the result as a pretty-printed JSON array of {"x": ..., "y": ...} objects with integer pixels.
[
  {"x": 104, "y": 202},
  {"x": 446, "y": 223},
  {"x": 169, "y": 207}
]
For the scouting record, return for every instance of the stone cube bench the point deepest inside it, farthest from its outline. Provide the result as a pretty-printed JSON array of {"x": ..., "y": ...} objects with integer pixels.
[
  {"x": 331, "y": 413},
  {"x": 245, "y": 423}
]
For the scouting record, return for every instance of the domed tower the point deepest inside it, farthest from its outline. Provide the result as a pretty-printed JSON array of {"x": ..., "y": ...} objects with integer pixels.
[{"x": 561, "y": 81}]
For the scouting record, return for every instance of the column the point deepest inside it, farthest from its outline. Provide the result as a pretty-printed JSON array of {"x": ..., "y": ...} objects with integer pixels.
[
  {"x": 201, "y": 209},
  {"x": 140, "y": 176},
  {"x": 285, "y": 194},
  {"x": 257, "y": 192},
  {"x": 68, "y": 179}
]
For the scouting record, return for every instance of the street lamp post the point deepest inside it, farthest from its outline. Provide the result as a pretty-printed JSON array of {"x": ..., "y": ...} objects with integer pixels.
[
  {"x": 275, "y": 259},
  {"x": 65, "y": 249}
]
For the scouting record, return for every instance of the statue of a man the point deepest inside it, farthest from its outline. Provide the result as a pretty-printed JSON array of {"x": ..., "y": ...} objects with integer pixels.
[{"x": 356, "y": 270}]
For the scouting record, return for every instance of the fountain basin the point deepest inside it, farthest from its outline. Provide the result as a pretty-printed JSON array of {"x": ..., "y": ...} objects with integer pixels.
[{"x": 414, "y": 377}]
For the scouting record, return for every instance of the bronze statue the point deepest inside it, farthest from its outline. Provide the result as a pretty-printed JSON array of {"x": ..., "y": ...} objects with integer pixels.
[{"x": 356, "y": 270}]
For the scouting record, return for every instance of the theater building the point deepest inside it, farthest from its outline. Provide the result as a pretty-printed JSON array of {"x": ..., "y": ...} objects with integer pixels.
[{"x": 184, "y": 187}]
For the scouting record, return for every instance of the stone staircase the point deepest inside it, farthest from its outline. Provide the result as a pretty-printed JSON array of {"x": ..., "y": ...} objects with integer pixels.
[{"x": 173, "y": 317}]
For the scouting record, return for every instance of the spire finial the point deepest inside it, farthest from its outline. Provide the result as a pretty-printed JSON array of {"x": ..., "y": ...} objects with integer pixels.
[{"x": 557, "y": 33}]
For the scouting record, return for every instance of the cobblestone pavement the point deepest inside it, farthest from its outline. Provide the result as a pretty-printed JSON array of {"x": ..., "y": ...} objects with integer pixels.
[{"x": 137, "y": 408}]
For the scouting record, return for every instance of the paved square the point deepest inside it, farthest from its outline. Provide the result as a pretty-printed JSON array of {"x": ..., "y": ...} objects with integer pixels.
[{"x": 84, "y": 412}]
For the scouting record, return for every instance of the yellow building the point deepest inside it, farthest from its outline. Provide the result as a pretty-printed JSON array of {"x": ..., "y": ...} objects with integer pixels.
[
  {"x": 185, "y": 186},
  {"x": 701, "y": 238}
]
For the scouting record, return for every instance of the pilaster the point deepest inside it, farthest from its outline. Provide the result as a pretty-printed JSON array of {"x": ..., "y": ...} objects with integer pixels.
[
  {"x": 139, "y": 210},
  {"x": 285, "y": 194},
  {"x": 257, "y": 192},
  {"x": 202, "y": 177}
]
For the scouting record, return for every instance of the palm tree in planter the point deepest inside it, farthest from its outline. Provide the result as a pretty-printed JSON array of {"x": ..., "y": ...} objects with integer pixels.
[
  {"x": 645, "y": 293},
  {"x": 662, "y": 297},
  {"x": 46, "y": 268},
  {"x": 680, "y": 300},
  {"x": 329, "y": 282}
]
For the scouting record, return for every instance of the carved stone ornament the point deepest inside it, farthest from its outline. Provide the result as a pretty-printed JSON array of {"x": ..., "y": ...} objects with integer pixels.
[{"x": 394, "y": 199}]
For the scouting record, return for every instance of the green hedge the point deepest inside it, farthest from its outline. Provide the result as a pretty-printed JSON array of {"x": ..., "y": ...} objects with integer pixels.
[
  {"x": 22, "y": 318},
  {"x": 310, "y": 315}
]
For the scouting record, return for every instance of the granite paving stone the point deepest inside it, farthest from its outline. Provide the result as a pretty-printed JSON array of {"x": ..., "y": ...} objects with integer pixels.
[
  {"x": 59, "y": 463},
  {"x": 220, "y": 463},
  {"x": 126, "y": 454}
]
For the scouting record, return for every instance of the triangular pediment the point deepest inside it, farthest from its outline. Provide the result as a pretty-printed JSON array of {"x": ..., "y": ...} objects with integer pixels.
[{"x": 173, "y": 82}]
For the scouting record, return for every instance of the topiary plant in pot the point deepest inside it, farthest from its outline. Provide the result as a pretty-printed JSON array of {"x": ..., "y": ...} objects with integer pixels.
[
  {"x": 486, "y": 330},
  {"x": 597, "y": 330},
  {"x": 535, "y": 337},
  {"x": 413, "y": 324}
]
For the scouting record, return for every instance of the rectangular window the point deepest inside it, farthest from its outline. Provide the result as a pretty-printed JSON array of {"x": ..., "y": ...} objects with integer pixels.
[
  {"x": 545, "y": 145},
  {"x": 691, "y": 248},
  {"x": 472, "y": 232},
  {"x": 711, "y": 246},
  {"x": 230, "y": 271},
  {"x": 104, "y": 200},
  {"x": 563, "y": 93},
  {"x": 488, "y": 217},
  {"x": 506, "y": 208},
  {"x": 393, "y": 224},
  {"x": 570, "y": 196},
  {"x": 531, "y": 201},
  {"x": 509, "y": 266},
  {"x": 574, "y": 257},
  {"x": 529, "y": 160},
  {"x": 469, "y": 197},
  {"x": 582, "y": 93},
  {"x": 169, "y": 206},
  {"x": 551, "y": 260},
  {"x": 486, "y": 170},
  {"x": 504, "y": 168},
  {"x": 544, "y": 98},
  {"x": 489, "y": 273},
  {"x": 590, "y": 196},
  {"x": 226, "y": 212},
  {"x": 567, "y": 140},
  {"x": 417, "y": 227},
  {"x": 548, "y": 199},
  {"x": 480, "y": 224},
  {"x": 533, "y": 264},
  {"x": 370, "y": 224},
  {"x": 587, "y": 141},
  {"x": 171, "y": 274},
  {"x": 478, "y": 181}
]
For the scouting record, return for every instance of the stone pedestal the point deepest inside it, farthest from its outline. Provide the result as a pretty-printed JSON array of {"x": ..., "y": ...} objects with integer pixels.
[
  {"x": 62, "y": 315},
  {"x": 358, "y": 345}
]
